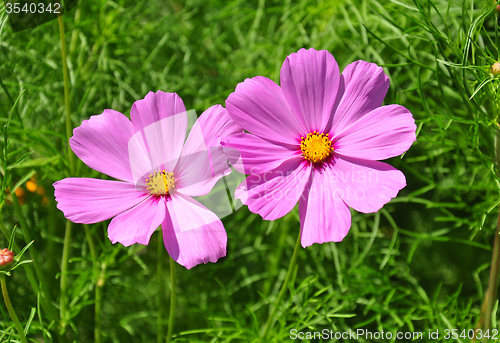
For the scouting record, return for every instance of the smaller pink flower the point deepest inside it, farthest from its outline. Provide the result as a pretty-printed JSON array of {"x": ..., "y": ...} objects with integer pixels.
[
  {"x": 159, "y": 173},
  {"x": 316, "y": 141},
  {"x": 6, "y": 257}
]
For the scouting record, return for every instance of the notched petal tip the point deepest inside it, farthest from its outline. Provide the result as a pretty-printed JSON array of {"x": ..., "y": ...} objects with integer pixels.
[
  {"x": 310, "y": 81},
  {"x": 137, "y": 224},
  {"x": 193, "y": 234},
  {"x": 191, "y": 263},
  {"x": 308, "y": 243}
]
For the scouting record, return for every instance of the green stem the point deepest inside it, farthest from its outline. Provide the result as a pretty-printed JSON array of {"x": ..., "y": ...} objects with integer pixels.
[
  {"x": 69, "y": 130},
  {"x": 12, "y": 313},
  {"x": 98, "y": 304},
  {"x": 161, "y": 288},
  {"x": 99, "y": 282},
  {"x": 228, "y": 193},
  {"x": 283, "y": 289},
  {"x": 97, "y": 314},
  {"x": 64, "y": 274},
  {"x": 27, "y": 267},
  {"x": 171, "y": 318},
  {"x": 491, "y": 294},
  {"x": 90, "y": 242},
  {"x": 69, "y": 127},
  {"x": 490, "y": 297}
]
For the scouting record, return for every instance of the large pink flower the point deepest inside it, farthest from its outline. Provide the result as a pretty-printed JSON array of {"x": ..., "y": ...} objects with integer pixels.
[
  {"x": 159, "y": 174},
  {"x": 316, "y": 140}
]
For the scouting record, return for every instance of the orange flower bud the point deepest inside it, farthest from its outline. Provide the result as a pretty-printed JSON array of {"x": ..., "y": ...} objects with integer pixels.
[
  {"x": 31, "y": 186},
  {"x": 21, "y": 195},
  {"x": 20, "y": 192}
]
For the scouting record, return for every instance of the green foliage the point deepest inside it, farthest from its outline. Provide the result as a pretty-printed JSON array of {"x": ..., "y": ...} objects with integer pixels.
[{"x": 420, "y": 264}]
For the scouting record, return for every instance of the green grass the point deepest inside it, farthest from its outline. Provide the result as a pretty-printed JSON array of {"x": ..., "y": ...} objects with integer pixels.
[{"x": 421, "y": 263}]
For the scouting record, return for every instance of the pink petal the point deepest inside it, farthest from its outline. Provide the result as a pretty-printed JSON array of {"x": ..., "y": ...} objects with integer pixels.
[
  {"x": 101, "y": 142},
  {"x": 155, "y": 107},
  {"x": 276, "y": 192},
  {"x": 250, "y": 154},
  {"x": 363, "y": 87},
  {"x": 213, "y": 124},
  {"x": 365, "y": 185},
  {"x": 324, "y": 217},
  {"x": 162, "y": 119},
  {"x": 140, "y": 160},
  {"x": 203, "y": 162},
  {"x": 165, "y": 139},
  {"x": 259, "y": 106},
  {"x": 197, "y": 173},
  {"x": 385, "y": 132},
  {"x": 91, "y": 201},
  {"x": 192, "y": 233},
  {"x": 310, "y": 81},
  {"x": 137, "y": 224}
]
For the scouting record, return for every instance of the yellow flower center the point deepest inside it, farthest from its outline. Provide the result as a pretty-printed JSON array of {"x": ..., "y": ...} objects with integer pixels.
[
  {"x": 316, "y": 147},
  {"x": 160, "y": 183}
]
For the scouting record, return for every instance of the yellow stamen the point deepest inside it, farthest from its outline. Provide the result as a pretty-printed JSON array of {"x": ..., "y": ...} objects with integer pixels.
[
  {"x": 160, "y": 183},
  {"x": 316, "y": 147}
]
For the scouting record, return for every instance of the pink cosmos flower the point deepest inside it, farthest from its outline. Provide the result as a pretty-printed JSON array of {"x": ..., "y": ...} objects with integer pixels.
[
  {"x": 316, "y": 140},
  {"x": 159, "y": 174}
]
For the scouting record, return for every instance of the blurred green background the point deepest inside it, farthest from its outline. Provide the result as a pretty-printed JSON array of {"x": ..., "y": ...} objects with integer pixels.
[{"x": 421, "y": 263}]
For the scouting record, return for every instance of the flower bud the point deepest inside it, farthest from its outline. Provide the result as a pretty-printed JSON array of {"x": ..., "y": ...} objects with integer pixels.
[
  {"x": 495, "y": 68},
  {"x": 31, "y": 185},
  {"x": 6, "y": 257}
]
